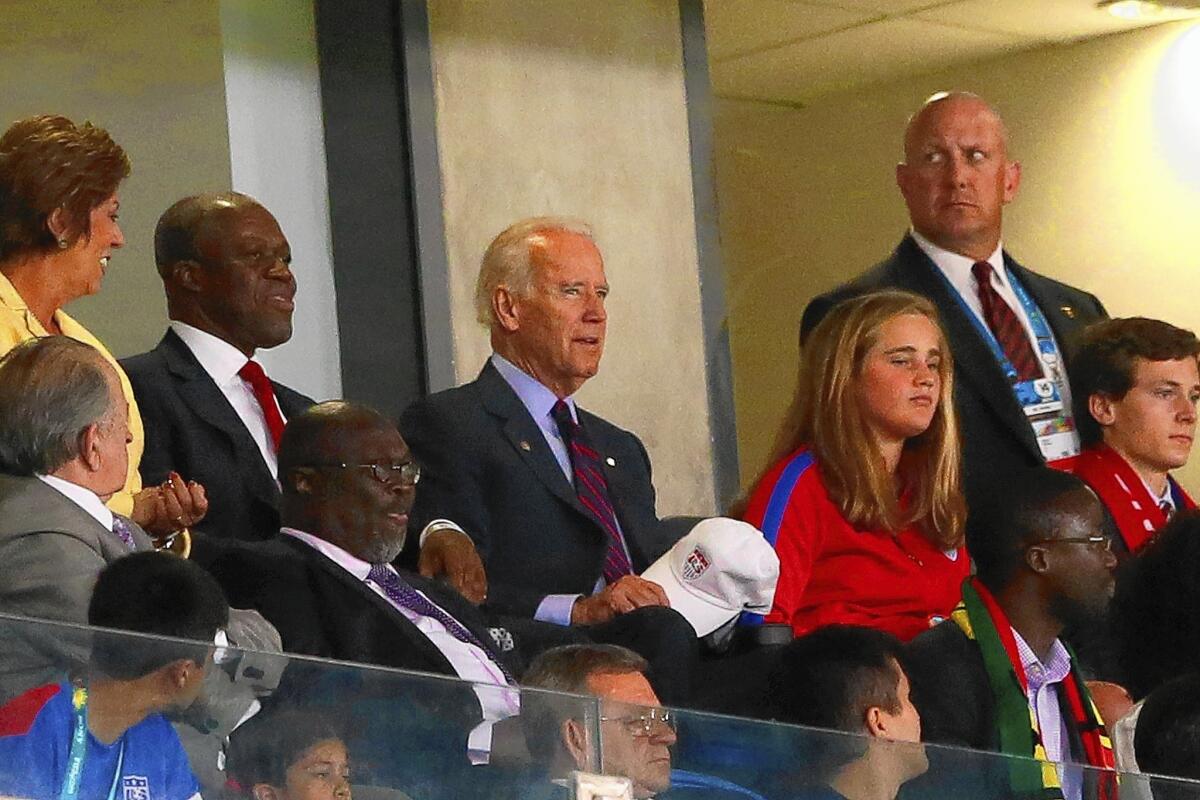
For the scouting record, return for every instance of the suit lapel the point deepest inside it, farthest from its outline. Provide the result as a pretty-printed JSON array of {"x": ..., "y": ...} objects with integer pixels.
[
  {"x": 525, "y": 436},
  {"x": 974, "y": 361},
  {"x": 204, "y": 398},
  {"x": 387, "y": 622}
]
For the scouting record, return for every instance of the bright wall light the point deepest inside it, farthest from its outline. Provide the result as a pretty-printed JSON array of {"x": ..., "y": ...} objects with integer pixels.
[
  {"x": 1134, "y": 9},
  {"x": 1177, "y": 106}
]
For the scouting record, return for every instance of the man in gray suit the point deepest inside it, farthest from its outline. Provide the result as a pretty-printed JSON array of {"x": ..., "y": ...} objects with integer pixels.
[{"x": 63, "y": 431}]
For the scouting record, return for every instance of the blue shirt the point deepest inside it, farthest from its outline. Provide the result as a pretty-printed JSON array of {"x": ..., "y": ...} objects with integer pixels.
[{"x": 35, "y": 742}]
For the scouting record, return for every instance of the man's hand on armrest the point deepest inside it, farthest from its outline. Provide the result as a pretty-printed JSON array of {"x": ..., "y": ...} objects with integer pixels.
[
  {"x": 625, "y": 595},
  {"x": 447, "y": 552}
]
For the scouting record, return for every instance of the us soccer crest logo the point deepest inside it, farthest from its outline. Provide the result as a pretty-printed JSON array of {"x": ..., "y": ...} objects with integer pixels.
[
  {"x": 695, "y": 565},
  {"x": 135, "y": 787}
]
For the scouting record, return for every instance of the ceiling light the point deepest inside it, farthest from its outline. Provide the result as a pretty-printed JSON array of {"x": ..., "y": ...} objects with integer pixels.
[{"x": 1133, "y": 9}]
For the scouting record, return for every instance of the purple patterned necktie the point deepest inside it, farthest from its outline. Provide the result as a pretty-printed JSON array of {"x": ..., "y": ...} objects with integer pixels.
[
  {"x": 592, "y": 490},
  {"x": 400, "y": 593},
  {"x": 121, "y": 528}
]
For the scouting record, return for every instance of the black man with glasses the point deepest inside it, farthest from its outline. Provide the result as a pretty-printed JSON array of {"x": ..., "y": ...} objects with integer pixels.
[
  {"x": 327, "y": 583},
  {"x": 998, "y": 674}
]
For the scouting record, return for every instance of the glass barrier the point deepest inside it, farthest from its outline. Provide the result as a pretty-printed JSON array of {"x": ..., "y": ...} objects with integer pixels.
[{"x": 312, "y": 728}]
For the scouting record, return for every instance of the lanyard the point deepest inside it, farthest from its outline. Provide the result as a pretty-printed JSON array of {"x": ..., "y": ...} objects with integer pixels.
[
  {"x": 75, "y": 761},
  {"x": 1041, "y": 329}
]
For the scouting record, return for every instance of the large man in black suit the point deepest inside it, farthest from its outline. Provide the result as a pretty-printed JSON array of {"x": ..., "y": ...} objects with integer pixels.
[
  {"x": 956, "y": 179},
  {"x": 326, "y": 582}
]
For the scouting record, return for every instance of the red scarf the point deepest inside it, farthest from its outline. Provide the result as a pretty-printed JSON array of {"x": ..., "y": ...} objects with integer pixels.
[{"x": 1124, "y": 493}]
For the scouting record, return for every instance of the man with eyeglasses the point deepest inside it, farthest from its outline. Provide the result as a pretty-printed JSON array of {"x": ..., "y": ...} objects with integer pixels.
[
  {"x": 636, "y": 733},
  {"x": 997, "y": 675},
  {"x": 211, "y": 413},
  {"x": 328, "y": 584}
]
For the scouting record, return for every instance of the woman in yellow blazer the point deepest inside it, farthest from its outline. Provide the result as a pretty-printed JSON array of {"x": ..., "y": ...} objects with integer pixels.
[{"x": 58, "y": 228}]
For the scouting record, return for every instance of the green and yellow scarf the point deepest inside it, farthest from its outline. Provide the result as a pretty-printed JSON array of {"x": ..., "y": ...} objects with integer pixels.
[{"x": 980, "y": 617}]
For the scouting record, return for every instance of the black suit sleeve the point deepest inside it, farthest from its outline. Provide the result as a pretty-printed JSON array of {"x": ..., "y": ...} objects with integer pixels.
[
  {"x": 453, "y": 487},
  {"x": 950, "y": 688}
]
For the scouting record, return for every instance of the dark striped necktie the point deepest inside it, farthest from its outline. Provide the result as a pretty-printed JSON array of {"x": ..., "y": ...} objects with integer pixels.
[
  {"x": 402, "y": 594},
  {"x": 1005, "y": 325},
  {"x": 592, "y": 490}
]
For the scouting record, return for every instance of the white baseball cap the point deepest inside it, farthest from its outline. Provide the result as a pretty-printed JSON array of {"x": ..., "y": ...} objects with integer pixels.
[{"x": 720, "y": 569}]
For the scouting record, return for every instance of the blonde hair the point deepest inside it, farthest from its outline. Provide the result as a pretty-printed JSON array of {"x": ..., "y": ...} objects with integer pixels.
[
  {"x": 507, "y": 260},
  {"x": 826, "y": 416}
]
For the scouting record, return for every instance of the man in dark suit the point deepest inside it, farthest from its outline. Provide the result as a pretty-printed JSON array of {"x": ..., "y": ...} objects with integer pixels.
[
  {"x": 326, "y": 582},
  {"x": 997, "y": 675},
  {"x": 224, "y": 264},
  {"x": 558, "y": 501},
  {"x": 56, "y": 534},
  {"x": 1009, "y": 329},
  {"x": 209, "y": 410}
]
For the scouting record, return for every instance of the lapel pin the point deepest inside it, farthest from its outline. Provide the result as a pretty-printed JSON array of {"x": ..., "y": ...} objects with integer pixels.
[
  {"x": 612, "y": 462},
  {"x": 525, "y": 446},
  {"x": 1069, "y": 311}
]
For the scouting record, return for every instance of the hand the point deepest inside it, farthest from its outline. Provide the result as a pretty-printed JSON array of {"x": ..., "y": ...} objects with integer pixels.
[
  {"x": 451, "y": 554},
  {"x": 625, "y": 595},
  {"x": 173, "y": 505}
]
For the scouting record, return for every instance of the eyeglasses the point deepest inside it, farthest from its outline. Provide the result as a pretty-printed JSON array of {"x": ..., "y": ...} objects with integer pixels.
[
  {"x": 655, "y": 720},
  {"x": 1097, "y": 541},
  {"x": 406, "y": 474}
]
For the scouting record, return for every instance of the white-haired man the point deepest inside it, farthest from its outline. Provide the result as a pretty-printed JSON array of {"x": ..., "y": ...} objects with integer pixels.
[{"x": 559, "y": 501}]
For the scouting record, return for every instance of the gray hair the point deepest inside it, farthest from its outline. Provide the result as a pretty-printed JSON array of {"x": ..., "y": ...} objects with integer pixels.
[
  {"x": 507, "y": 261},
  {"x": 51, "y": 389},
  {"x": 566, "y": 669}
]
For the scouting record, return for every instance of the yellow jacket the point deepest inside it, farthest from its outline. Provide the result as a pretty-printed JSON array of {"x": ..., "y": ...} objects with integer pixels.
[{"x": 18, "y": 324}]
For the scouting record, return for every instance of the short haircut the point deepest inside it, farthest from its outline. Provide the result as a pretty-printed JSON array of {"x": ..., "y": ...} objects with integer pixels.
[
  {"x": 159, "y": 594},
  {"x": 829, "y": 679},
  {"x": 180, "y": 225},
  {"x": 315, "y": 432},
  {"x": 1020, "y": 509},
  {"x": 507, "y": 261},
  {"x": 567, "y": 669},
  {"x": 262, "y": 749},
  {"x": 1104, "y": 360},
  {"x": 1167, "y": 739},
  {"x": 51, "y": 390},
  {"x": 48, "y": 162},
  {"x": 1153, "y": 612}
]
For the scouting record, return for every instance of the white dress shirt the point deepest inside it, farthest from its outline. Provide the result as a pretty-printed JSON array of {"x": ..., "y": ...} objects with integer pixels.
[
  {"x": 957, "y": 269},
  {"x": 497, "y": 699},
  {"x": 82, "y": 497},
  {"x": 221, "y": 361}
]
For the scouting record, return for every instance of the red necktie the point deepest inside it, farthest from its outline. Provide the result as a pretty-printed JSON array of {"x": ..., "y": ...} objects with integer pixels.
[
  {"x": 592, "y": 490},
  {"x": 1005, "y": 326},
  {"x": 264, "y": 393}
]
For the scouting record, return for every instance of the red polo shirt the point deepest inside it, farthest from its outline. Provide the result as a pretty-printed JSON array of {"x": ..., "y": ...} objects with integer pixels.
[{"x": 833, "y": 573}]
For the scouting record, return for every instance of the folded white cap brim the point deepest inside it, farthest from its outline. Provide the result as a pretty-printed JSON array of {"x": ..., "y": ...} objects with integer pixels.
[{"x": 704, "y": 616}]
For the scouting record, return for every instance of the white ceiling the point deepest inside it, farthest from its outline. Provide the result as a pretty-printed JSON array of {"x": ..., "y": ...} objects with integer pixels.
[{"x": 790, "y": 51}]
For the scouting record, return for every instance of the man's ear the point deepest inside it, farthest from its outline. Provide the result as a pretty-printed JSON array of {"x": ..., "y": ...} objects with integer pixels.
[
  {"x": 1102, "y": 408},
  {"x": 504, "y": 308},
  {"x": 188, "y": 275},
  {"x": 89, "y": 447},
  {"x": 575, "y": 740},
  {"x": 303, "y": 480},
  {"x": 875, "y": 722},
  {"x": 1035, "y": 559},
  {"x": 1012, "y": 180}
]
